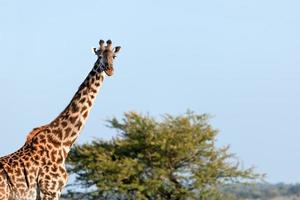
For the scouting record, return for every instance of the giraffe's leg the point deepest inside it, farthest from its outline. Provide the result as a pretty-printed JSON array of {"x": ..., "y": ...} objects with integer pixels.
[
  {"x": 50, "y": 189},
  {"x": 51, "y": 183},
  {"x": 48, "y": 196},
  {"x": 4, "y": 189}
]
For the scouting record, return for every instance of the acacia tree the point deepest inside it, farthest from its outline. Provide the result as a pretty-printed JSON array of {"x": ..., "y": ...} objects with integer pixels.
[{"x": 175, "y": 158}]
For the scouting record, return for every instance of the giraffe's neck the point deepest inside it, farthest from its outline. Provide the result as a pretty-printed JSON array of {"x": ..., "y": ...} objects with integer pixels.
[{"x": 67, "y": 126}]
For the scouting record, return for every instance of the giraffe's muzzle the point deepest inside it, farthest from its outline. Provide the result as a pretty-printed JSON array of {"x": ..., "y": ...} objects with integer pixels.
[{"x": 109, "y": 71}]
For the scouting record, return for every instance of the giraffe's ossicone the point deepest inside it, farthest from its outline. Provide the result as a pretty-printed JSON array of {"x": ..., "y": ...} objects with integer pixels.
[{"x": 37, "y": 170}]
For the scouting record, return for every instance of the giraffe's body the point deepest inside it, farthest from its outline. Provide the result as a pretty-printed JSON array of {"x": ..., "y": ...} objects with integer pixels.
[{"x": 37, "y": 170}]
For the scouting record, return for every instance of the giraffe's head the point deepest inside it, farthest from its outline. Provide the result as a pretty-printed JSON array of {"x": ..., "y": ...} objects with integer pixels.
[{"x": 106, "y": 54}]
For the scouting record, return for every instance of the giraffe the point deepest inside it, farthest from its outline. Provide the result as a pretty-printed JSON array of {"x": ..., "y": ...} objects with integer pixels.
[{"x": 37, "y": 170}]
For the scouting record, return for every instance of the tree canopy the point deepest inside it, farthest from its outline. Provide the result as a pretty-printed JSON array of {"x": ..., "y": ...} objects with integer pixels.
[{"x": 173, "y": 158}]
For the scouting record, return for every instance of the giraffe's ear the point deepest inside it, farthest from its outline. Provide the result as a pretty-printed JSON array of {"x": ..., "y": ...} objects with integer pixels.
[
  {"x": 94, "y": 50},
  {"x": 116, "y": 49}
]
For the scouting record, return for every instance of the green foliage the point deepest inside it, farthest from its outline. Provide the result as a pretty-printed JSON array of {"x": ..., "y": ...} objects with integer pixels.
[{"x": 175, "y": 158}]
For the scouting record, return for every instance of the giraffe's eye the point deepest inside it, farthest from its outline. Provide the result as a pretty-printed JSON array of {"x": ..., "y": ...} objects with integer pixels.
[{"x": 114, "y": 56}]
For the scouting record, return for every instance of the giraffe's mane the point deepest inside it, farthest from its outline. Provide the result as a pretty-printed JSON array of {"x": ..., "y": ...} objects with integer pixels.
[{"x": 34, "y": 133}]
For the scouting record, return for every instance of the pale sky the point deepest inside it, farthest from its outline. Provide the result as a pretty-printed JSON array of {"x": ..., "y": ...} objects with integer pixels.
[{"x": 235, "y": 60}]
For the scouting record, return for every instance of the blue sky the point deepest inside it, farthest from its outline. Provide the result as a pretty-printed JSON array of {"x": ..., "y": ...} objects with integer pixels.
[{"x": 235, "y": 60}]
